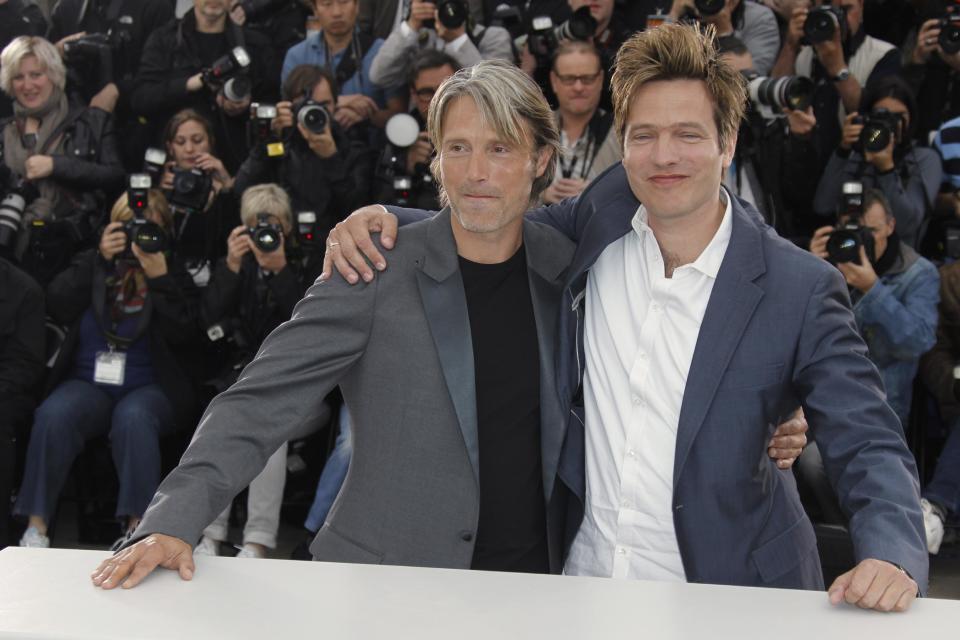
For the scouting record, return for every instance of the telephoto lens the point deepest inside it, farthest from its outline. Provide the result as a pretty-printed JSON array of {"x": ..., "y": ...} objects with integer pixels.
[
  {"x": 149, "y": 236},
  {"x": 823, "y": 21},
  {"x": 452, "y": 13},
  {"x": 267, "y": 237},
  {"x": 11, "y": 216},
  {"x": 237, "y": 89},
  {"x": 778, "y": 94},
  {"x": 879, "y": 129},
  {"x": 313, "y": 116},
  {"x": 579, "y": 26}
]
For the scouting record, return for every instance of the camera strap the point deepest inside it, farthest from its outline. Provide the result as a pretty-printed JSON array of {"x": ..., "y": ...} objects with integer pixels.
[
  {"x": 99, "y": 306},
  {"x": 352, "y": 60}
]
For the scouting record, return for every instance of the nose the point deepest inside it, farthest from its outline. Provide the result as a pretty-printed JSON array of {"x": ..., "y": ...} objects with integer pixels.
[
  {"x": 664, "y": 151},
  {"x": 478, "y": 167}
]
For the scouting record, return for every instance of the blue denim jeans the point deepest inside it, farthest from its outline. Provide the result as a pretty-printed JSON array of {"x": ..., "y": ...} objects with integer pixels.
[
  {"x": 77, "y": 411},
  {"x": 944, "y": 488},
  {"x": 334, "y": 471}
]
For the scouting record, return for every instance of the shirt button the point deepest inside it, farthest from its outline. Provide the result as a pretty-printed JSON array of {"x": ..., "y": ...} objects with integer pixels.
[
  {"x": 636, "y": 400},
  {"x": 632, "y": 453},
  {"x": 621, "y": 551},
  {"x": 466, "y": 536},
  {"x": 643, "y": 355}
]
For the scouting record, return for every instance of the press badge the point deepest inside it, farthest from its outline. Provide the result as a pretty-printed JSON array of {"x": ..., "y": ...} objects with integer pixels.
[{"x": 109, "y": 367}]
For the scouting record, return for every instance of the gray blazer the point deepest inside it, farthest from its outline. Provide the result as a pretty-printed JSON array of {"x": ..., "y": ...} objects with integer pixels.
[{"x": 401, "y": 352}]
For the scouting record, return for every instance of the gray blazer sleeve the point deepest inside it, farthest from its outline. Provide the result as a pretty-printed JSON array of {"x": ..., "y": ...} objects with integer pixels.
[
  {"x": 389, "y": 66},
  {"x": 761, "y": 35},
  {"x": 860, "y": 438},
  {"x": 496, "y": 45},
  {"x": 277, "y": 394}
]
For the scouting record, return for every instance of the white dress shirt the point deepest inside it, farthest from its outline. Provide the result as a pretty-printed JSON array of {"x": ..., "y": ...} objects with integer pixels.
[{"x": 640, "y": 333}]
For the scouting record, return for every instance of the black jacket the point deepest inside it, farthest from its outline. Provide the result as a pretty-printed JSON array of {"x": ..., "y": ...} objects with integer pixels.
[
  {"x": 330, "y": 187},
  {"x": 172, "y": 326},
  {"x": 171, "y": 56},
  {"x": 21, "y": 345}
]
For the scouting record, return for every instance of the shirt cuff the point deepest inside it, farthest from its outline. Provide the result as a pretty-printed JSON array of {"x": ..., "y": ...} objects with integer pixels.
[
  {"x": 455, "y": 44},
  {"x": 405, "y": 29}
]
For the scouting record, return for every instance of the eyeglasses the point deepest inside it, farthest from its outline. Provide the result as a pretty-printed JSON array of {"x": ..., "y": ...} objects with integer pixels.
[
  {"x": 425, "y": 93},
  {"x": 328, "y": 4},
  {"x": 570, "y": 80}
]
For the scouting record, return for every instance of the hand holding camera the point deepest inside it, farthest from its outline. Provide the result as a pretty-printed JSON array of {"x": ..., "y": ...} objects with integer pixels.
[
  {"x": 214, "y": 168},
  {"x": 265, "y": 239},
  {"x": 420, "y": 152},
  {"x": 113, "y": 241},
  {"x": 801, "y": 123},
  {"x": 794, "y": 35},
  {"x": 421, "y": 11},
  {"x": 313, "y": 123},
  {"x": 353, "y": 109},
  {"x": 284, "y": 119},
  {"x": 238, "y": 245}
]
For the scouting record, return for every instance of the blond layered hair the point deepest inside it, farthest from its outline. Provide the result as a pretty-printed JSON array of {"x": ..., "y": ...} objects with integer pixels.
[
  {"x": 45, "y": 53},
  {"x": 157, "y": 207},
  {"x": 266, "y": 198},
  {"x": 679, "y": 52},
  {"x": 510, "y": 103}
]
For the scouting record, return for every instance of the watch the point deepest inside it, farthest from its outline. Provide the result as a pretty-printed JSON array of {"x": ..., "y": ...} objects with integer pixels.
[{"x": 842, "y": 75}]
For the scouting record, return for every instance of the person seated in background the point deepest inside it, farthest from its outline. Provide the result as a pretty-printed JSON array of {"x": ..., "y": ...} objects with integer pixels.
[
  {"x": 468, "y": 43},
  {"x": 129, "y": 313},
  {"x": 938, "y": 370},
  {"x": 428, "y": 69},
  {"x": 67, "y": 153},
  {"x": 347, "y": 54},
  {"x": 751, "y": 22},
  {"x": 22, "y": 357},
  {"x": 323, "y": 170},
  {"x": 908, "y": 175},
  {"x": 252, "y": 291},
  {"x": 198, "y": 187},
  {"x": 894, "y": 292},
  {"x": 174, "y": 74},
  {"x": 587, "y": 136}
]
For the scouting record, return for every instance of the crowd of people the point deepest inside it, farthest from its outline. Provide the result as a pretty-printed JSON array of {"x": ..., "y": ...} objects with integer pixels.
[{"x": 171, "y": 170}]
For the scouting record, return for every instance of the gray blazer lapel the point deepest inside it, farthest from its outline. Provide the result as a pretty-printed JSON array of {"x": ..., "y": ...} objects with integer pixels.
[
  {"x": 547, "y": 260},
  {"x": 445, "y": 305},
  {"x": 734, "y": 298}
]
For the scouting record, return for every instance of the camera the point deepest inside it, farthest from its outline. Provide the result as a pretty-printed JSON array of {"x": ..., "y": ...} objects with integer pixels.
[
  {"x": 267, "y": 237},
  {"x": 452, "y": 14},
  {"x": 709, "y": 7},
  {"x": 312, "y": 116},
  {"x": 544, "y": 37},
  {"x": 147, "y": 235},
  {"x": 879, "y": 128},
  {"x": 402, "y": 131},
  {"x": 237, "y": 89},
  {"x": 770, "y": 96},
  {"x": 949, "y": 38},
  {"x": 259, "y": 130},
  {"x": 191, "y": 189},
  {"x": 90, "y": 58},
  {"x": 154, "y": 164},
  {"x": 844, "y": 243},
  {"x": 254, "y": 8},
  {"x": 226, "y": 67},
  {"x": 17, "y": 194},
  {"x": 307, "y": 228},
  {"x": 822, "y": 22}
]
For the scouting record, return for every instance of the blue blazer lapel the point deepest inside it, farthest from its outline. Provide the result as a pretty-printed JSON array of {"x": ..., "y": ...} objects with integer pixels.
[
  {"x": 734, "y": 299},
  {"x": 445, "y": 305}
]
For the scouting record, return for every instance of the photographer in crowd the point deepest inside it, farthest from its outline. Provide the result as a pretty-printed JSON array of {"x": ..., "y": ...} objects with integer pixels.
[
  {"x": 18, "y": 18},
  {"x": 893, "y": 289},
  {"x": 380, "y": 18},
  {"x": 208, "y": 63},
  {"x": 446, "y": 27},
  {"x": 21, "y": 368},
  {"x": 284, "y": 22},
  {"x": 102, "y": 42},
  {"x": 751, "y": 22},
  {"x": 322, "y": 169},
  {"x": 877, "y": 148},
  {"x": 939, "y": 372},
  {"x": 403, "y": 175},
  {"x": 253, "y": 290},
  {"x": 198, "y": 187},
  {"x": 347, "y": 54},
  {"x": 931, "y": 66},
  {"x": 840, "y": 58},
  {"x": 61, "y": 159},
  {"x": 117, "y": 373},
  {"x": 587, "y": 137}
]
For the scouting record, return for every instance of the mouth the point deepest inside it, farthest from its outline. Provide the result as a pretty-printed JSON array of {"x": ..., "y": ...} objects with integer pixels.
[{"x": 667, "y": 179}]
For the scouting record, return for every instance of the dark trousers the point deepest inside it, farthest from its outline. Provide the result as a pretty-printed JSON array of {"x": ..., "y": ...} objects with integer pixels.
[{"x": 77, "y": 411}]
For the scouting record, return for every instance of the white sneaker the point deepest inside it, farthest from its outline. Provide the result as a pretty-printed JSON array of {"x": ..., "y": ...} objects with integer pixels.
[
  {"x": 250, "y": 551},
  {"x": 933, "y": 524},
  {"x": 33, "y": 538},
  {"x": 207, "y": 547}
]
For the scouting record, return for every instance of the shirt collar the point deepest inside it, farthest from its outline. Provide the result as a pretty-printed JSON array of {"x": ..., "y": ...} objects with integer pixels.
[{"x": 710, "y": 259}]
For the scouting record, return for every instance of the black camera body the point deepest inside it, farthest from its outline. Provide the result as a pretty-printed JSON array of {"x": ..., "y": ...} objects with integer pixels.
[
  {"x": 879, "y": 128},
  {"x": 91, "y": 59},
  {"x": 845, "y": 242},
  {"x": 709, "y": 7},
  {"x": 232, "y": 65},
  {"x": 191, "y": 189},
  {"x": 266, "y": 236},
  {"x": 822, "y": 22},
  {"x": 149, "y": 236},
  {"x": 949, "y": 38},
  {"x": 312, "y": 115},
  {"x": 544, "y": 37}
]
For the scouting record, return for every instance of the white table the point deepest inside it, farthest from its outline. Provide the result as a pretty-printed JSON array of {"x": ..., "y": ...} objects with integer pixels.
[{"x": 46, "y": 593}]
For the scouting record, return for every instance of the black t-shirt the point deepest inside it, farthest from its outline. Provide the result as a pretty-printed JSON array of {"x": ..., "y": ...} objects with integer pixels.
[
  {"x": 210, "y": 46},
  {"x": 512, "y": 530}
]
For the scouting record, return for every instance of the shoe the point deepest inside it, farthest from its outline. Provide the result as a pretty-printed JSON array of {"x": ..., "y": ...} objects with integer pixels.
[
  {"x": 250, "y": 551},
  {"x": 933, "y": 523},
  {"x": 121, "y": 541},
  {"x": 207, "y": 547},
  {"x": 33, "y": 538}
]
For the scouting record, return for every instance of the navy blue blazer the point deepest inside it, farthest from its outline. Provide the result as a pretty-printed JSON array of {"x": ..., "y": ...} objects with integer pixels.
[{"x": 778, "y": 332}]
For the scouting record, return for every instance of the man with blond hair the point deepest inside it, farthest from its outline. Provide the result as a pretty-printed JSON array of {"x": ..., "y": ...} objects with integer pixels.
[
  {"x": 456, "y": 424},
  {"x": 689, "y": 329}
]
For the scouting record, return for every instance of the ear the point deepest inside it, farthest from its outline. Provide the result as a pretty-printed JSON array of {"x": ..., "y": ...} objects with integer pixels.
[
  {"x": 543, "y": 159},
  {"x": 892, "y": 224},
  {"x": 727, "y": 153}
]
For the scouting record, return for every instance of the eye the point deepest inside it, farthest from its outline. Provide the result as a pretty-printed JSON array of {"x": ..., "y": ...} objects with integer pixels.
[{"x": 501, "y": 149}]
